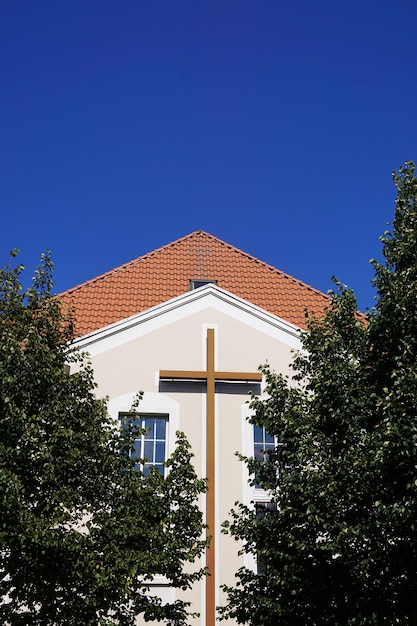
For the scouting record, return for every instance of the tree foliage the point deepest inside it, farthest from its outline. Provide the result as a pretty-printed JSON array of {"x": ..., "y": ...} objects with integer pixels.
[
  {"x": 338, "y": 545},
  {"x": 81, "y": 528}
]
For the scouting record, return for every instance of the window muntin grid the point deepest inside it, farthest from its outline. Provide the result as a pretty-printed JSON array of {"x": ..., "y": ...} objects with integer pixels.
[
  {"x": 152, "y": 445},
  {"x": 263, "y": 444}
]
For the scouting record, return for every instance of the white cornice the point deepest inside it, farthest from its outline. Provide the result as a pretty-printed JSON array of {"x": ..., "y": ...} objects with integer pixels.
[{"x": 210, "y": 295}]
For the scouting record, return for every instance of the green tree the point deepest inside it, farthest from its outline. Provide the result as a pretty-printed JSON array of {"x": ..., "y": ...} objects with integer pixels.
[
  {"x": 81, "y": 529},
  {"x": 338, "y": 544}
]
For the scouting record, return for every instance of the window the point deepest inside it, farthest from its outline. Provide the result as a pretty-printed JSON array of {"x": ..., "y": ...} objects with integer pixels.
[
  {"x": 197, "y": 282},
  {"x": 152, "y": 445},
  {"x": 153, "y": 406},
  {"x": 263, "y": 444},
  {"x": 257, "y": 443}
]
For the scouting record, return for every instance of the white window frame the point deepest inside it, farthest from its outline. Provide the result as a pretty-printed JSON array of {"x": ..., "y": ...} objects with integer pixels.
[
  {"x": 151, "y": 404},
  {"x": 141, "y": 439},
  {"x": 274, "y": 444},
  {"x": 251, "y": 493}
]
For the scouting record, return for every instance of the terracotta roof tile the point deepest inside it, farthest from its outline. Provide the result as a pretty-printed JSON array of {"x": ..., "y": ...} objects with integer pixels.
[{"x": 166, "y": 273}]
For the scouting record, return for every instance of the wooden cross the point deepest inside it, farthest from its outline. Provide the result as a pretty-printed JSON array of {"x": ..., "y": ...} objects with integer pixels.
[{"x": 210, "y": 376}]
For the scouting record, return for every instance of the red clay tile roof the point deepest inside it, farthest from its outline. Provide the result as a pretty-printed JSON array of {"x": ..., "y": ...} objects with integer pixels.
[{"x": 166, "y": 273}]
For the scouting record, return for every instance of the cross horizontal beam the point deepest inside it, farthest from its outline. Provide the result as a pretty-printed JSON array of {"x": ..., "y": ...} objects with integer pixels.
[{"x": 198, "y": 375}]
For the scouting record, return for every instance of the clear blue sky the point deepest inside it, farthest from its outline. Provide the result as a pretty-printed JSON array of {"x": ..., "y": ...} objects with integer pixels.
[{"x": 274, "y": 125}]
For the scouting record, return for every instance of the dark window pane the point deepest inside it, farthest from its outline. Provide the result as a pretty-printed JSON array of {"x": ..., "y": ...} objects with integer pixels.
[
  {"x": 257, "y": 433},
  {"x": 160, "y": 469},
  {"x": 259, "y": 451},
  {"x": 150, "y": 428},
  {"x": 269, "y": 438},
  {"x": 159, "y": 452},
  {"x": 160, "y": 431},
  {"x": 148, "y": 451},
  {"x": 136, "y": 449}
]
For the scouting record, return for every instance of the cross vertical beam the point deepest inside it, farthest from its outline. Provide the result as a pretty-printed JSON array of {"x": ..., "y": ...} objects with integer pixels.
[
  {"x": 210, "y": 376},
  {"x": 211, "y": 483}
]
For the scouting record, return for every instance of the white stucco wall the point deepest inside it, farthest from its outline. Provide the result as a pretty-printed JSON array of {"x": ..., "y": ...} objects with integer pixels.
[{"x": 129, "y": 360}]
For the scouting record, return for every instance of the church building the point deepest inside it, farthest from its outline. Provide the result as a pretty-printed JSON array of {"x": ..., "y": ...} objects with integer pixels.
[{"x": 189, "y": 324}]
